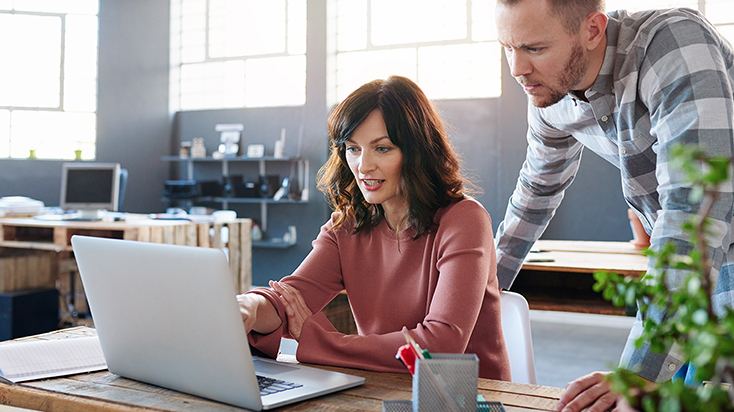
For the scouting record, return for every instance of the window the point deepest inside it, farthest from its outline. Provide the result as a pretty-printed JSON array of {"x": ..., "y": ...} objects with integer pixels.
[
  {"x": 49, "y": 93},
  {"x": 237, "y": 53},
  {"x": 719, "y": 12},
  {"x": 448, "y": 47}
]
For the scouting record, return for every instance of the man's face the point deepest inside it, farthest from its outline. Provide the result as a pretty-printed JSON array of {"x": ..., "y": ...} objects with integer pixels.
[{"x": 543, "y": 57}]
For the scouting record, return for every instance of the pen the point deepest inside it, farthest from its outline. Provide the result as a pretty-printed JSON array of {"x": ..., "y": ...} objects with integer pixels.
[{"x": 411, "y": 351}]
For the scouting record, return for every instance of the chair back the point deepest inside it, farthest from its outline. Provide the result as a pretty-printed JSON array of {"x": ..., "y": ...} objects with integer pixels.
[{"x": 516, "y": 328}]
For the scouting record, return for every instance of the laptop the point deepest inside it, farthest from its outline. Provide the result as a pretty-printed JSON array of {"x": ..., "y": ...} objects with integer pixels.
[{"x": 167, "y": 315}]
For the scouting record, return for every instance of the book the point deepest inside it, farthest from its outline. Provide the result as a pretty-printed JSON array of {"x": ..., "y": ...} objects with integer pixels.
[{"x": 39, "y": 359}]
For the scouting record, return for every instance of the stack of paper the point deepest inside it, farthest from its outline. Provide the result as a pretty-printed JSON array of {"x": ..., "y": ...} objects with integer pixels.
[{"x": 20, "y": 206}]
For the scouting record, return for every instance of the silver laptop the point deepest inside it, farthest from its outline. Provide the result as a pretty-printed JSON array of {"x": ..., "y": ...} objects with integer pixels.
[{"x": 167, "y": 315}]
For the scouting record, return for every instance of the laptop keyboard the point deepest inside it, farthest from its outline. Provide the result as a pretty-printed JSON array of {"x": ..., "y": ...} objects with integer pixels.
[{"x": 269, "y": 386}]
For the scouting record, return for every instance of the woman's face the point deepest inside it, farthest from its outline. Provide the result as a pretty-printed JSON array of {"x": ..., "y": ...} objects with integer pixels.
[{"x": 375, "y": 162}]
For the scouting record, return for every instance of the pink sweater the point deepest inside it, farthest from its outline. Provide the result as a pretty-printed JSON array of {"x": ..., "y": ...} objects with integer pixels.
[{"x": 441, "y": 287}]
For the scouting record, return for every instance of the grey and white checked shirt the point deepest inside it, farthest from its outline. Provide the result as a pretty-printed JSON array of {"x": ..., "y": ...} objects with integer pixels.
[{"x": 667, "y": 78}]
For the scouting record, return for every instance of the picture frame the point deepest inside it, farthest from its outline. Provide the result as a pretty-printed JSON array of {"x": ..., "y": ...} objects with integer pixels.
[{"x": 255, "y": 151}]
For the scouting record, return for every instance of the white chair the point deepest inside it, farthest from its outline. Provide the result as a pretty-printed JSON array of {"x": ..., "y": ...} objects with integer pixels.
[{"x": 516, "y": 328}]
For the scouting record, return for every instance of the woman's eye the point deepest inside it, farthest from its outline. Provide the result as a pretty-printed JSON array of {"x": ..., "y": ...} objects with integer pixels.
[
  {"x": 351, "y": 149},
  {"x": 383, "y": 149}
]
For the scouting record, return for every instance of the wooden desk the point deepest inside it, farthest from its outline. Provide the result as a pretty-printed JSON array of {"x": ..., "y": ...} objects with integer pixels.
[
  {"x": 27, "y": 241},
  {"x": 103, "y": 391},
  {"x": 565, "y": 284},
  {"x": 589, "y": 257}
]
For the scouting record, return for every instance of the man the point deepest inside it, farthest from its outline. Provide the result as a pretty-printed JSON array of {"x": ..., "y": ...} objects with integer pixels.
[{"x": 628, "y": 87}]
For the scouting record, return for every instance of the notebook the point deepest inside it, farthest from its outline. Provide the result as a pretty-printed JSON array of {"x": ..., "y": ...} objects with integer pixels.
[{"x": 167, "y": 315}]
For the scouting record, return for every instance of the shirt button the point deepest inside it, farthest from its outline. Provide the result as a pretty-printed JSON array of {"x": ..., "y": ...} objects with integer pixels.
[
  {"x": 671, "y": 367},
  {"x": 623, "y": 151},
  {"x": 604, "y": 118},
  {"x": 612, "y": 89}
]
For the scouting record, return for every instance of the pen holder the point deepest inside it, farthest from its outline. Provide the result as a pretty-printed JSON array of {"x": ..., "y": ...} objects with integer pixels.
[{"x": 447, "y": 382}]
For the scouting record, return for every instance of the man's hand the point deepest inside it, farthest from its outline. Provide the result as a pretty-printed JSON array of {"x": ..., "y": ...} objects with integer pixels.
[
  {"x": 590, "y": 391},
  {"x": 295, "y": 307}
]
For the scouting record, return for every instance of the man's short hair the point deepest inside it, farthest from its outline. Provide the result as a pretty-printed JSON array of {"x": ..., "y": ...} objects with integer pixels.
[{"x": 570, "y": 12}]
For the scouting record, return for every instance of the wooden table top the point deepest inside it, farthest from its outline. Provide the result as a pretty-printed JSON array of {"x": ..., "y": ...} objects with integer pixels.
[
  {"x": 588, "y": 257},
  {"x": 104, "y": 391}
]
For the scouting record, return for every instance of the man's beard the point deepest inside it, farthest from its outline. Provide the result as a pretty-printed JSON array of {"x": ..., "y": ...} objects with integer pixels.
[{"x": 572, "y": 73}]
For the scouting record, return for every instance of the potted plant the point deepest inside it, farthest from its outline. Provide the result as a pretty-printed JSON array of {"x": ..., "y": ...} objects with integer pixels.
[{"x": 707, "y": 340}]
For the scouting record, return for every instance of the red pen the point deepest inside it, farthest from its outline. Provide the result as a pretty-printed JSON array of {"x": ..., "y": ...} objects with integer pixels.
[{"x": 411, "y": 351}]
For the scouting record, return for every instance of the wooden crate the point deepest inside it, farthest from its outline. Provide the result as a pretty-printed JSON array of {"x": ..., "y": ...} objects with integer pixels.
[
  {"x": 26, "y": 269},
  {"x": 235, "y": 241}
]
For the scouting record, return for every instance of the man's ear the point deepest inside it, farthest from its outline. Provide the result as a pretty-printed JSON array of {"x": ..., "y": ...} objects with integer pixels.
[{"x": 593, "y": 29}]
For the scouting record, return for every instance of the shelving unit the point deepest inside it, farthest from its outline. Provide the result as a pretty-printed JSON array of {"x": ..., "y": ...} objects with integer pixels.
[{"x": 301, "y": 174}]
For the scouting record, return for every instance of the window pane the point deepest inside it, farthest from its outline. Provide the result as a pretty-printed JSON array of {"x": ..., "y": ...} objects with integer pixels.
[
  {"x": 728, "y": 32},
  {"x": 193, "y": 31},
  {"x": 297, "y": 26},
  {"x": 4, "y": 133},
  {"x": 482, "y": 16},
  {"x": 212, "y": 85},
  {"x": 33, "y": 80},
  {"x": 58, "y": 6},
  {"x": 246, "y": 27},
  {"x": 275, "y": 81},
  {"x": 224, "y": 55},
  {"x": 637, "y": 5},
  {"x": 460, "y": 71},
  {"x": 6, "y": 5},
  {"x": 80, "y": 63},
  {"x": 720, "y": 11},
  {"x": 410, "y": 21},
  {"x": 357, "y": 68},
  {"x": 53, "y": 135},
  {"x": 351, "y": 25}
]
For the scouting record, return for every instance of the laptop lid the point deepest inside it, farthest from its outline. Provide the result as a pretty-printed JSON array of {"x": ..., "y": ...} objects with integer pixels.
[{"x": 167, "y": 315}]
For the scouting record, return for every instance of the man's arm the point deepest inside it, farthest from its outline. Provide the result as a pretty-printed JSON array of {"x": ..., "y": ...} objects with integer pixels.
[
  {"x": 688, "y": 93},
  {"x": 551, "y": 163}
]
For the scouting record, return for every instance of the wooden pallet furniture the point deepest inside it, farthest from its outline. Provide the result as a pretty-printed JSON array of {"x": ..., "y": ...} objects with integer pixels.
[{"x": 43, "y": 248}]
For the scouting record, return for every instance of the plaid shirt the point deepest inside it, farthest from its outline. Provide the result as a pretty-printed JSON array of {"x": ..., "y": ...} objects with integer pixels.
[{"x": 667, "y": 78}]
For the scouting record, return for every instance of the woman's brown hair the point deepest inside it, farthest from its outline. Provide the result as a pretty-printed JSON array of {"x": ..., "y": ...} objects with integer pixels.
[{"x": 430, "y": 176}]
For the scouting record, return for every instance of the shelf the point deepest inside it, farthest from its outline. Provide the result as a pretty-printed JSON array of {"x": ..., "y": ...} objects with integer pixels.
[
  {"x": 229, "y": 159},
  {"x": 252, "y": 200},
  {"x": 299, "y": 171},
  {"x": 248, "y": 200},
  {"x": 269, "y": 244}
]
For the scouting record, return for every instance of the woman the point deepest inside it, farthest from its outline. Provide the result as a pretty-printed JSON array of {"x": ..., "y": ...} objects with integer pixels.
[{"x": 412, "y": 251}]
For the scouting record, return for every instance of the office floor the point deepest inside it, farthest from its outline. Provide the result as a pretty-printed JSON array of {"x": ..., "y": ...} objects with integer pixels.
[{"x": 570, "y": 345}]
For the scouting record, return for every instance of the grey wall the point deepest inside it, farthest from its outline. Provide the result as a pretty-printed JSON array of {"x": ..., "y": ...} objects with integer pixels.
[{"x": 135, "y": 129}]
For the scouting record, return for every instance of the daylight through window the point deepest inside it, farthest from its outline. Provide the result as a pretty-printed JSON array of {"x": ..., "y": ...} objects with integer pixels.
[
  {"x": 49, "y": 99},
  {"x": 237, "y": 53},
  {"x": 448, "y": 47}
]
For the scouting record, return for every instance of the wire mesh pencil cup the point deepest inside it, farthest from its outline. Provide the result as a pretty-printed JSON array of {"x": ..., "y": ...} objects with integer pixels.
[{"x": 447, "y": 382}]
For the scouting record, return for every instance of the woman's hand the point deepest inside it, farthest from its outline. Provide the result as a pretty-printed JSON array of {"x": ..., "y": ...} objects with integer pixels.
[
  {"x": 258, "y": 313},
  {"x": 295, "y": 307}
]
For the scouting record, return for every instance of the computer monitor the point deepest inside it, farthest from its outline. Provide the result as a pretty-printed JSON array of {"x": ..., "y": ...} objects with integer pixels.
[{"x": 90, "y": 188}]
